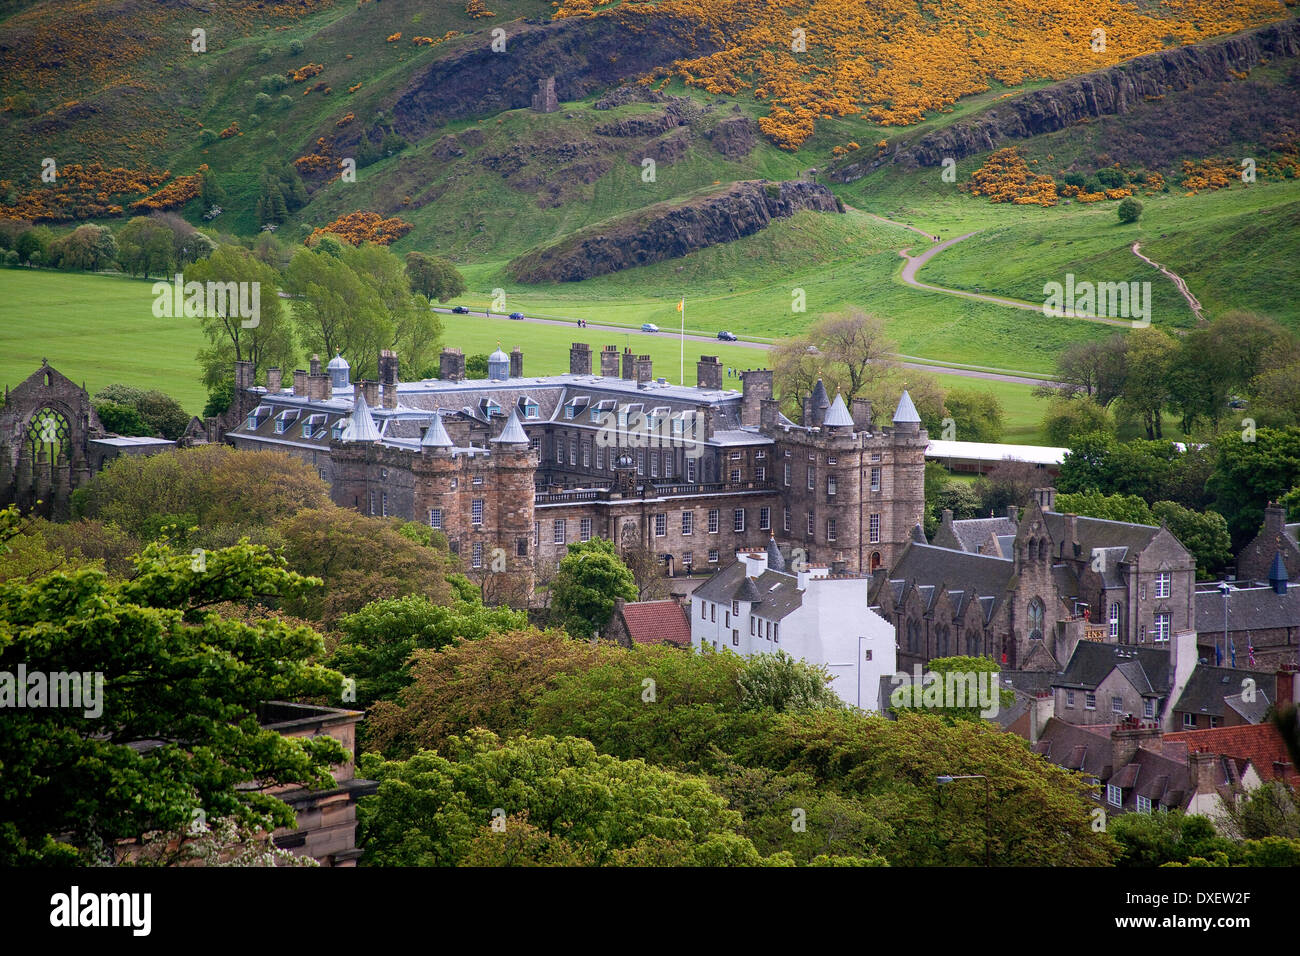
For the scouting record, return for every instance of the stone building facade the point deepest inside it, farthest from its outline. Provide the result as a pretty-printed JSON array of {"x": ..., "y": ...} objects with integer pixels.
[{"x": 691, "y": 474}]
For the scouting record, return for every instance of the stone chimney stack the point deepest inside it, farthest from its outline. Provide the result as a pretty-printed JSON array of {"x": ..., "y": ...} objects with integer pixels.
[
  {"x": 318, "y": 386},
  {"x": 315, "y": 365},
  {"x": 609, "y": 362},
  {"x": 300, "y": 383},
  {"x": 755, "y": 388},
  {"x": 769, "y": 414},
  {"x": 388, "y": 377},
  {"x": 243, "y": 376},
  {"x": 579, "y": 359},
  {"x": 451, "y": 365},
  {"x": 861, "y": 412},
  {"x": 1203, "y": 769},
  {"x": 629, "y": 364},
  {"x": 1274, "y": 519},
  {"x": 1046, "y": 498},
  {"x": 1128, "y": 736},
  {"x": 516, "y": 362},
  {"x": 273, "y": 380},
  {"x": 371, "y": 391},
  {"x": 708, "y": 373},
  {"x": 643, "y": 368}
]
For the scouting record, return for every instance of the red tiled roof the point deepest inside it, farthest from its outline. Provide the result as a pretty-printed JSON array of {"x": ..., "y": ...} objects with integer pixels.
[
  {"x": 1261, "y": 744},
  {"x": 653, "y": 622}
]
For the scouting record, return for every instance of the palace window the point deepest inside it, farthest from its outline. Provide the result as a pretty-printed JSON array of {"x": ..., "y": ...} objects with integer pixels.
[
  {"x": 873, "y": 529},
  {"x": 735, "y": 474},
  {"x": 1143, "y": 804},
  {"x": 688, "y": 522},
  {"x": 476, "y": 558},
  {"x": 830, "y": 485},
  {"x": 476, "y": 511},
  {"x": 875, "y": 479},
  {"x": 830, "y": 529},
  {"x": 785, "y": 521},
  {"x": 786, "y": 475},
  {"x": 739, "y": 519},
  {"x": 1113, "y": 618},
  {"x": 812, "y": 478},
  {"x": 713, "y": 521},
  {"x": 435, "y": 518},
  {"x": 1162, "y": 627},
  {"x": 1090, "y": 700},
  {"x": 559, "y": 531},
  {"x": 812, "y": 525},
  {"x": 1163, "y": 580},
  {"x": 713, "y": 556},
  {"x": 1114, "y": 795},
  {"x": 661, "y": 525},
  {"x": 764, "y": 519},
  {"x": 584, "y": 529}
]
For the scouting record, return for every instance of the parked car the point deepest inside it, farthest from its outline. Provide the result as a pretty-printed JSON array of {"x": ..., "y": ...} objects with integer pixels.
[
  {"x": 460, "y": 310},
  {"x": 727, "y": 336},
  {"x": 516, "y": 315},
  {"x": 649, "y": 327}
]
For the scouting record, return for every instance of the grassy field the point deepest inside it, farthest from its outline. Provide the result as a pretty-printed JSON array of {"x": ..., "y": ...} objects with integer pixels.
[
  {"x": 96, "y": 329},
  {"x": 100, "y": 329}
]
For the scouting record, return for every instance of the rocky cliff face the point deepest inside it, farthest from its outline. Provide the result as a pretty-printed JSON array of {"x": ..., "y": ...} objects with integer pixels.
[
  {"x": 671, "y": 230},
  {"x": 584, "y": 54},
  {"x": 1111, "y": 92}
]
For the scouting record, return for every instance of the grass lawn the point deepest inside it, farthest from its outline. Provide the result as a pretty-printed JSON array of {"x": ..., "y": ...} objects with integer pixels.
[{"x": 98, "y": 329}]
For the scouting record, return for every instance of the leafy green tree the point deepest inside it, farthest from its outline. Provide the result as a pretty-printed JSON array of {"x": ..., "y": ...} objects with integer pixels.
[
  {"x": 492, "y": 682},
  {"x": 33, "y": 245},
  {"x": 1204, "y": 533},
  {"x": 476, "y": 366},
  {"x": 360, "y": 559},
  {"x": 1271, "y": 810},
  {"x": 1067, "y": 419},
  {"x": 163, "y": 414},
  {"x": 978, "y": 414},
  {"x": 377, "y": 641},
  {"x": 1252, "y": 468},
  {"x": 430, "y": 809},
  {"x": 779, "y": 682},
  {"x": 674, "y": 709},
  {"x": 267, "y": 342},
  {"x": 1038, "y": 814},
  {"x": 122, "y": 419},
  {"x": 1156, "y": 839},
  {"x": 1129, "y": 210},
  {"x": 912, "y": 697},
  {"x": 1129, "y": 508},
  {"x": 1146, "y": 386},
  {"x": 415, "y": 328},
  {"x": 173, "y": 727},
  {"x": 146, "y": 247},
  {"x": 220, "y": 397},
  {"x": 590, "y": 578},
  {"x": 434, "y": 277},
  {"x": 89, "y": 247}
]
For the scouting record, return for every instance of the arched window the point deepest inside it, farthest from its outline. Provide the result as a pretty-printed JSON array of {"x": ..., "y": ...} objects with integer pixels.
[
  {"x": 941, "y": 641},
  {"x": 972, "y": 644},
  {"x": 1036, "y": 620},
  {"x": 1033, "y": 549},
  {"x": 913, "y": 634}
]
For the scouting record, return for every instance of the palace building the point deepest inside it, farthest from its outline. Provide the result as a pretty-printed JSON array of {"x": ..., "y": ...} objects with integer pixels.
[{"x": 513, "y": 468}]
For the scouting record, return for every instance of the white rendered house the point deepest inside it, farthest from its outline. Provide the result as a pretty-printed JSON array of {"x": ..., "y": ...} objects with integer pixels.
[{"x": 756, "y": 606}]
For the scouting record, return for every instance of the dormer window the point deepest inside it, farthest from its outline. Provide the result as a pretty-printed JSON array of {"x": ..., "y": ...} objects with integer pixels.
[
  {"x": 490, "y": 408},
  {"x": 529, "y": 407},
  {"x": 285, "y": 419},
  {"x": 337, "y": 431},
  {"x": 257, "y": 416},
  {"x": 314, "y": 426}
]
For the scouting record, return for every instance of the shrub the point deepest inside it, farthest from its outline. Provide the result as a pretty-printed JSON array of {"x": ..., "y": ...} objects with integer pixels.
[
  {"x": 295, "y": 47},
  {"x": 1129, "y": 210}
]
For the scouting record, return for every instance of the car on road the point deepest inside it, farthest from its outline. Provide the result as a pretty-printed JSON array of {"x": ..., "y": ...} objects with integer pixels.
[
  {"x": 649, "y": 327},
  {"x": 516, "y": 315},
  {"x": 727, "y": 336},
  {"x": 460, "y": 310}
]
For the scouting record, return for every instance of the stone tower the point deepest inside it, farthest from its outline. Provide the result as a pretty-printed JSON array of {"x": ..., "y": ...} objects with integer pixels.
[{"x": 545, "y": 100}]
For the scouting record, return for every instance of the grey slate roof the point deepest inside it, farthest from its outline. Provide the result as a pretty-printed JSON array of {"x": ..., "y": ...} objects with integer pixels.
[
  {"x": 360, "y": 426},
  {"x": 1249, "y": 609},
  {"x": 931, "y": 566},
  {"x": 1101, "y": 533},
  {"x": 1147, "y": 668},
  {"x": 906, "y": 411},
  {"x": 973, "y": 532},
  {"x": 838, "y": 415},
  {"x": 1209, "y": 685},
  {"x": 774, "y": 594}
]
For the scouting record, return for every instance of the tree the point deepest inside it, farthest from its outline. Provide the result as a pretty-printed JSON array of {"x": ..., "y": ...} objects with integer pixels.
[
  {"x": 1204, "y": 533},
  {"x": 504, "y": 674},
  {"x": 416, "y": 329},
  {"x": 378, "y": 640},
  {"x": 1068, "y": 418},
  {"x": 1095, "y": 369},
  {"x": 360, "y": 559},
  {"x": 1146, "y": 386},
  {"x": 434, "y": 277},
  {"x": 163, "y": 414},
  {"x": 977, "y": 414},
  {"x": 911, "y": 697},
  {"x": 779, "y": 682},
  {"x": 146, "y": 247},
  {"x": 265, "y": 340},
  {"x": 1011, "y": 482},
  {"x": 476, "y": 366},
  {"x": 591, "y": 577},
  {"x": 220, "y": 397},
  {"x": 1250, "y": 473},
  {"x": 430, "y": 809},
  {"x": 171, "y": 726},
  {"x": 1129, "y": 210},
  {"x": 122, "y": 419},
  {"x": 218, "y": 485},
  {"x": 89, "y": 247},
  {"x": 856, "y": 351},
  {"x": 1128, "y": 508},
  {"x": 33, "y": 245},
  {"x": 1155, "y": 839}
]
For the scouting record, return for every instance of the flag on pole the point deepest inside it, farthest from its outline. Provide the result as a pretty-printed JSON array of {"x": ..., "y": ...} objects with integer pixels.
[
  {"x": 681, "y": 370},
  {"x": 1250, "y": 650}
]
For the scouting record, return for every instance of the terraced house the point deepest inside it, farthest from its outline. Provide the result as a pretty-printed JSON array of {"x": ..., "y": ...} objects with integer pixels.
[{"x": 513, "y": 468}]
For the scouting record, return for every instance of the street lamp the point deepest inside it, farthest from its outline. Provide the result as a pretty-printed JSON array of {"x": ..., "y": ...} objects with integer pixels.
[
  {"x": 946, "y": 779},
  {"x": 1224, "y": 589}
]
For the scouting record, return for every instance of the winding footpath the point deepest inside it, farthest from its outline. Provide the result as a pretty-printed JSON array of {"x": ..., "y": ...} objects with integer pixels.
[{"x": 1192, "y": 302}]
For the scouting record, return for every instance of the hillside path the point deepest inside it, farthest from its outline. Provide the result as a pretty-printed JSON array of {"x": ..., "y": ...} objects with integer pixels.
[{"x": 1192, "y": 302}]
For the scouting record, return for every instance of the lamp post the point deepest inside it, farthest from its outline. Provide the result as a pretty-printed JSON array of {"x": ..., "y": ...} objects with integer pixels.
[
  {"x": 1224, "y": 589},
  {"x": 946, "y": 779}
]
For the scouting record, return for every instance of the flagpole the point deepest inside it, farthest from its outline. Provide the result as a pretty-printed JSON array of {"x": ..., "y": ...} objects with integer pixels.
[{"x": 681, "y": 371}]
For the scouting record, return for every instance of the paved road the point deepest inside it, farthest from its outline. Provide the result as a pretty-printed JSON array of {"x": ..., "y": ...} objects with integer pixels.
[{"x": 924, "y": 366}]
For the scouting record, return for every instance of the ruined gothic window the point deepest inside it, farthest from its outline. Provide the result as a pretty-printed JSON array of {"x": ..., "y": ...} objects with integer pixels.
[
  {"x": 913, "y": 635},
  {"x": 1036, "y": 620},
  {"x": 941, "y": 641},
  {"x": 972, "y": 645}
]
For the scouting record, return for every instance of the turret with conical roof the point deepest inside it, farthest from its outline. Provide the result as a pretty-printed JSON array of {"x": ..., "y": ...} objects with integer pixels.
[
  {"x": 1277, "y": 576},
  {"x": 361, "y": 424},
  {"x": 513, "y": 433},
  {"x": 906, "y": 413},
  {"x": 815, "y": 406},
  {"x": 774, "y": 560},
  {"x": 837, "y": 416},
  {"x": 436, "y": 437}
]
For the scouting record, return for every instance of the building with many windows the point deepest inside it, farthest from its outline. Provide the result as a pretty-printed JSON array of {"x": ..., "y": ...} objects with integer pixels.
[{"x": 514, "y": 468}]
